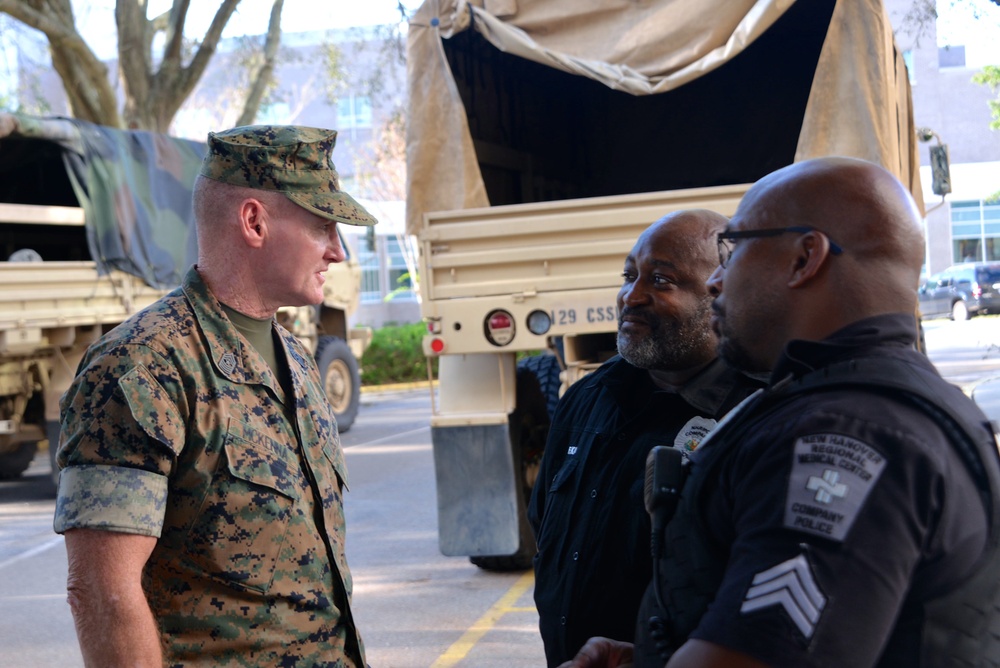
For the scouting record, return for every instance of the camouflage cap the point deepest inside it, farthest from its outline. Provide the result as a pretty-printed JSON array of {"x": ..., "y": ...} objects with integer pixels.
[{"x": 293, "y": 160}]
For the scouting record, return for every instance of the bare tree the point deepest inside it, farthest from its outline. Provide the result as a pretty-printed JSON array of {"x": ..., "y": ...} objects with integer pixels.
[
  {"x": 155, "y": 84},
  {"x": 263, "y": 77}
]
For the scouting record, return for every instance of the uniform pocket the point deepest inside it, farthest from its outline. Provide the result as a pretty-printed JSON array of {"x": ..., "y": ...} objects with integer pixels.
[
  {"x": 241, "y": 526},
  {"x": 564, "y": 474},
  {"x": 334, "y": 455},
  {"x": 557, "y": 505}
]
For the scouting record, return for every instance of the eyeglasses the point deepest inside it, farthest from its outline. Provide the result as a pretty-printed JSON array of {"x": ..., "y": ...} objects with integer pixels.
[{"x": 725, "y": 239}]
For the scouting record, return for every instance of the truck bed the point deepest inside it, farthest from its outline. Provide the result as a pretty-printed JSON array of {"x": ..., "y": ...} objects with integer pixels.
[
  {"x": 528, "y": 249},
  {"x": 39, "y": 298}
]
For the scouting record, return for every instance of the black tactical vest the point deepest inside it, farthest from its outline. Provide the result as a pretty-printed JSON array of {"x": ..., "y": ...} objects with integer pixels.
[{"x": 961, "y": 628}]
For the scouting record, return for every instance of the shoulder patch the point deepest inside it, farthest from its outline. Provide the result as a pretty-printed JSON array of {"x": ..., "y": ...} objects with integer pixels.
[
  {"x": 693, "y": 433},
  {"x": 831, "y": 477}
]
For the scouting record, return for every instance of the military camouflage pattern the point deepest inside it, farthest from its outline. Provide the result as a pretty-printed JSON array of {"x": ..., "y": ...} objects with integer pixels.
[
  {"x": 293, "y": 160},
  {"x": 134, "y": 188},
  {"x": 175, "y": 427}
]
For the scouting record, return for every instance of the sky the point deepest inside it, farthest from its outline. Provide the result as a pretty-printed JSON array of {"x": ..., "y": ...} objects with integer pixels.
[{"x": 95, "y": 18}]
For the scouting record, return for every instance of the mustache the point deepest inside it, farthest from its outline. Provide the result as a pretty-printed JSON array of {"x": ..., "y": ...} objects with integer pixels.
[{"x": 640, "y": 314}]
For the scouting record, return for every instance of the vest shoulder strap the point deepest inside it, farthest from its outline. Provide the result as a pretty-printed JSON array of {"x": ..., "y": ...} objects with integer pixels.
[{"x": 967, "y": 429}]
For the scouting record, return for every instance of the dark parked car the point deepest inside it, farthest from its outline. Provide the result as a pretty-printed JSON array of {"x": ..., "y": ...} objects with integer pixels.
[{"x": 962, "y": 291}]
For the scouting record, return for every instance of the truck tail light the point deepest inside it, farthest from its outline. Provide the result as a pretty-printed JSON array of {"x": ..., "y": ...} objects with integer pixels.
[{"x": 499, "y": 327}]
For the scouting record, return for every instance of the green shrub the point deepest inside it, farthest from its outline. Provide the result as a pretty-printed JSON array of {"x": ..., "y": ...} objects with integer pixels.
[{"x": 395, "y": 355}]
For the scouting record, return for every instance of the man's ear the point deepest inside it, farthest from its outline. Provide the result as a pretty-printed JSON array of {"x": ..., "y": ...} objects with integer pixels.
[
  {"x": 812, "y": 250},
  {"x": 253, "y": 222}
]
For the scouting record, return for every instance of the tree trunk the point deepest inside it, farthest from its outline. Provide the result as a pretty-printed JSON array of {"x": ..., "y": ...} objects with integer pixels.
[
  {"x": 153, "y": 98},
  {"x": 85, "y": 78}
]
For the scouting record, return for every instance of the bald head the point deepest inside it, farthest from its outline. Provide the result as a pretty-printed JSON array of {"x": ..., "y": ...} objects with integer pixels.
[
  {"x": 865, "y": 262},
  {"x": 664, "y": 307},
  {"x": 860, "y": 205},
  {"x": 689, "y": 234},
  {"x": 864, "y": 210}
]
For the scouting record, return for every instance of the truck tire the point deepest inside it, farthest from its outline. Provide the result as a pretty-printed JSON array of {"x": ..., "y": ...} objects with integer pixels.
[
  {"x": 338, "y": 372},
  {"x": 14, "y": 463},
  {"x": 537, "y": 395},
  {"x": 546, "y": 370}
]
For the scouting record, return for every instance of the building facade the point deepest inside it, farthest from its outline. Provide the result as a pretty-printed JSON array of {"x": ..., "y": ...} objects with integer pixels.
[{"x": 942, "y": 56}]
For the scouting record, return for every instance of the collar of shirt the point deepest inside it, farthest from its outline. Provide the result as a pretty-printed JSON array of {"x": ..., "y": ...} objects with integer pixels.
[
  {"x": 894, "y": 330},
  {"x": 706, "y": 391},
  {"x": 235, "y": 361}
]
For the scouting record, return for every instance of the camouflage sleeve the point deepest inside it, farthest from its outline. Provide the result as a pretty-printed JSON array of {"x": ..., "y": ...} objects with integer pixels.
[
  {"x": 113, "y": 498},
  {"x": 122, "y": 431}
]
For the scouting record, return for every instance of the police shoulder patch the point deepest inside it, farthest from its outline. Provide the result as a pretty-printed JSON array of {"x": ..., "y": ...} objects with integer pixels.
[
  {"x": 693, "y": 433},
  {"x": 831, "y": 477}
]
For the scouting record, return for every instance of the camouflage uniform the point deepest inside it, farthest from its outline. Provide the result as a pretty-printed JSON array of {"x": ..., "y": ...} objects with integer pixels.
[{"x": 176, "y": 428}]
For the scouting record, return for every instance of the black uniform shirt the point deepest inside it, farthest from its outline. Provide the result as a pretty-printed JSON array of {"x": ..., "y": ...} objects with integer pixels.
[
  {"x": 840, "y": 516},
  {"x": 592, "y": 530}
]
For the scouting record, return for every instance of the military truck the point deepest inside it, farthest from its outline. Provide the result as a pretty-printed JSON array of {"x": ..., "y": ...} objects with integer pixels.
[
  {"x": 544, "y": 135},
  {"x": 96, "y": 224}
]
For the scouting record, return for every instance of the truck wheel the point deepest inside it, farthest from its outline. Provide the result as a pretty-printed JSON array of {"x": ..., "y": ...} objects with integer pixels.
[
  {"x": 338, "y": 371},
  {"x": 537, "y": 395},
  {"x": 546, "y": 370},
  {"x": 14, "y": 463}
]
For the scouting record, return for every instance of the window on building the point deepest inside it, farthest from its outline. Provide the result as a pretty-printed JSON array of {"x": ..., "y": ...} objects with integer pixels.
[
  {"x": 276, "y": 113},
  {"x": 908, "y": 60},
  {"x": 951, "y": 56},
  {"x": 354, "y": 111},
  {"x": 966, "y": 33},
  {"x": 371, "y": 286},
  {"x": 400, "y": 281},
  {"x": 975, "y": 231}
]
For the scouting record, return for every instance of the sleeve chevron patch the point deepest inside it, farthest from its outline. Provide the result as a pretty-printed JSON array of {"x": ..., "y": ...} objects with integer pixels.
[{"x": 789, "y": 585}]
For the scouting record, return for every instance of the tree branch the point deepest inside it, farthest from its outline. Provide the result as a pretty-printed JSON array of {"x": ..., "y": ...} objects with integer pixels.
[
  {"x": 264, "y": 76},
  {"x": 134, "y": 58},
  {"x": 175, "y": 33},
  {"x": 84, "y": 77},
  {"x": 208, "y": 44}
]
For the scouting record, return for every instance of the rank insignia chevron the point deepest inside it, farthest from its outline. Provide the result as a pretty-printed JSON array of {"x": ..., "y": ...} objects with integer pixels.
[{"x": 790, "y": 585}]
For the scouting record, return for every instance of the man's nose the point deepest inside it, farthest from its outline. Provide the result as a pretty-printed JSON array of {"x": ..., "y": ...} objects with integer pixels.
[
  {"x": 335, "y": 250},
  {"x": 634, "y": 293},
  {"x": 714, "y": 282}
]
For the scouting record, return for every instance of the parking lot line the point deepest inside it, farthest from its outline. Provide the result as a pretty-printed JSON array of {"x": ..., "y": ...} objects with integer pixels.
[{"x": 461, "y": 647}]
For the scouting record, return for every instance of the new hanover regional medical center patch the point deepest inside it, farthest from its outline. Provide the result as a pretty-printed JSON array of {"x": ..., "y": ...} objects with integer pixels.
[{"x": 832, "y": 475}]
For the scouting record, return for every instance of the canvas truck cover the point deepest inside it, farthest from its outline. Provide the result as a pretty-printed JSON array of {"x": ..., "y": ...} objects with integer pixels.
[
  {"x": 134, "y": 188},
  {"x": 530, "y": 100}
]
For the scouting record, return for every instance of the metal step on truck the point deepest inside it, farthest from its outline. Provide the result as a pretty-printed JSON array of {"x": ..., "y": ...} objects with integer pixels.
[
  {"x": 95, "y": 224},
  {"x": 543, "y": 136}
]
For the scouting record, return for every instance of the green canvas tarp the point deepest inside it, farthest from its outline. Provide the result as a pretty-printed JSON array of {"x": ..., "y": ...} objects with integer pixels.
[{"x": 133, "y": 186}]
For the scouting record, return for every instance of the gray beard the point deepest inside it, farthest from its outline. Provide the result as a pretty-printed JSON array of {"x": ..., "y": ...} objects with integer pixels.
[{"x": 671, "y": 345}]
